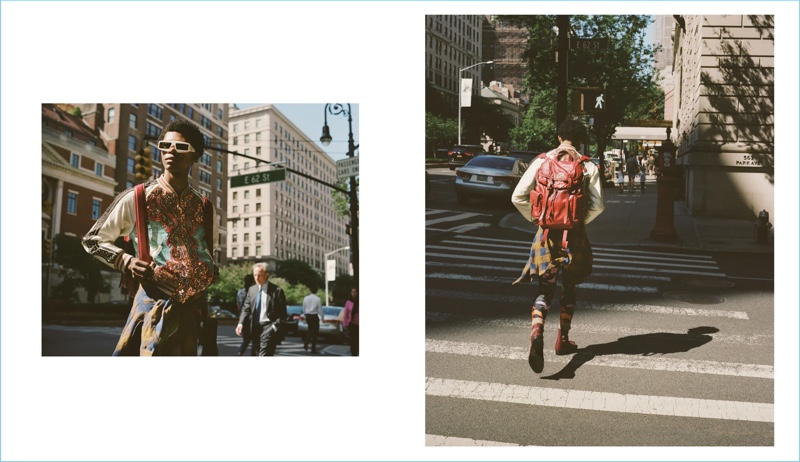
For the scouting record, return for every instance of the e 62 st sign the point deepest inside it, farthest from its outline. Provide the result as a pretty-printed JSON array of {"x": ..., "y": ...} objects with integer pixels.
[
  {"x": 258, "y": 178},
  {"x": 588, "y": 44}
]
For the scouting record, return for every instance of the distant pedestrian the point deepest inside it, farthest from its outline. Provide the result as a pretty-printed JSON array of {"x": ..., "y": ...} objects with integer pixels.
[
  {"x": 312, "y": 310},
  {"x": 547, "y": 258},
  {"x": 265, "y": 309},
  {"x": 651, "y": 162},
  {"x": 632, "y": 169},
  {"x": 350, "y": 320},
  {"x": 642, "y": 171},
  {"x": 249, "y": 281}
]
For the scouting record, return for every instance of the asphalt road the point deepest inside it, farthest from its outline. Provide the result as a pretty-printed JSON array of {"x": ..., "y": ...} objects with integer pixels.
[
  {"x": 59, "y": 340},
  {"x": 677, "y": 347}
]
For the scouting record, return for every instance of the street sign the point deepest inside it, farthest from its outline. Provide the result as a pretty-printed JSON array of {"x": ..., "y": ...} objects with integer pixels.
[
  {"x": 588, "y": 44},
  {"x": 347, "y": 167},
  {"x": 258, "y": 178}
]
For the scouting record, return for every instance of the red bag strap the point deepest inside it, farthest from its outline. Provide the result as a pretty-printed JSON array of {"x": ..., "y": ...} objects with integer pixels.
[
  {"x": 208, "y": 223},
  {"x": 141, "y": 223}
]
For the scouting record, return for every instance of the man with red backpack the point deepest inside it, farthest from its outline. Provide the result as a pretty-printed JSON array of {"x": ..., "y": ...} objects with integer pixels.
[{"x": 560, "y": 192}]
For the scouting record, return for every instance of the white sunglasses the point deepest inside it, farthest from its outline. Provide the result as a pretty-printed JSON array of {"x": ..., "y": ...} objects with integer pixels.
[{"x": 180, "y": 146}]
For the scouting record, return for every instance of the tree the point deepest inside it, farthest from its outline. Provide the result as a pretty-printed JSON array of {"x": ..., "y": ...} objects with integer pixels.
[
  {"x": 439, "y": 132},
  {"x": 77, "y": 269},
  {"x": 299, "y": 272},
  {"x": 341, "y": 201},
  {"x": 484, "y": 118},
  {"x": 231, "y": 279},
  {"x": 624, "y": 69}
]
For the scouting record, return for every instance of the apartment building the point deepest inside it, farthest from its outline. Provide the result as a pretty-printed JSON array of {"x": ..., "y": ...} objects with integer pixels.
[
  {"x": 724, "y": 71},
  {"x": 505, "y": 44},
  {"x": 290, "y": 219},
  {"x": 663, "y": 36},
  {"x": 453, "y": 42}
]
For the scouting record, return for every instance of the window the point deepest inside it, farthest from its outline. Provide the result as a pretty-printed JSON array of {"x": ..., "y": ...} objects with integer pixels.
[
  {"x": 152, "y": 130},
  {"x": 258, "y": 136},
  {"x": 233, "y": 224},
  {"x": 96, "y": 204},
  {"x": 111, "y": 114},
  {"x": 246, "y": 208},
  {"x": 190, "y": 113},
  {"x": 219, "y": 183},
  {"x": 205, "y": 177},
  {"x": 233, "y": 238},
  {"x": 233, "y": 252},
  {"x": 247, "y": 194},
  {"x": 132, "y": 121},
  {"x": 72, "y": 203},
  {"x": 205, "y": 159},
  {"x": 75, "y": 160},
  {"x": 219, "y": 113},
  {"x": 258, "y": 250},
  {"x": 131, "y": 165},
  {"x": 246, "y": 125},
  {"x": 219, "y": 203},
  {"x": 247, "y": 237},
  {"x": 235, "y": 128},
  {"x": 156, "y": 154},
  {"x": 235, "y": 140},
  {"x": 246, "y": 222},
  {"x": 68, "y": 133},
  {"x": 258, "y": 150},
  {"x": 258, "y": 206},
  {"x": 154, "y": 110},
  {"x": 258, "y": 192},
  {"x": 257, "y": 121},
  {"x": 131, "y": 143},
  {"x": 246, "y": 251},
  {"x": 98, "y": 169},
  {"x": 129, "y": 184},
  {"x": 246, "y": 138},
  {"x": 206, "y": 122},
  {"x": 234, "y": 209},
  {"x": 258, "y": 236},
  {"x": 258, "y": 221},
  {"x": 219, "y": 166},
  {"x": 219, "y": 132}
]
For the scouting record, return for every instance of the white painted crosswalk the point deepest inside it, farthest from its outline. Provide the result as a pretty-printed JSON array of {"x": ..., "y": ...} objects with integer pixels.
[{"x": 464, "y": 270}]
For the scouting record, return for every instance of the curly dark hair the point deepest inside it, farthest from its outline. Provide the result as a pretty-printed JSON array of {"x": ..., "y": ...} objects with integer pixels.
[
  {"x": 189, "y": 131},
  {"x": 573, "y": 130}
]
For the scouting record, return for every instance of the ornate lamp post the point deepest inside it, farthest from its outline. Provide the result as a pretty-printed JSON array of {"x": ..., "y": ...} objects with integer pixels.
[
  {"x": 336, "y": 109},
  {"x": 460, "y": 92}
]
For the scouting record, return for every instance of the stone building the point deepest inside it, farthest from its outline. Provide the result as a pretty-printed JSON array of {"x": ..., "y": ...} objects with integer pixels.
[{"x": 723, "y": 113}]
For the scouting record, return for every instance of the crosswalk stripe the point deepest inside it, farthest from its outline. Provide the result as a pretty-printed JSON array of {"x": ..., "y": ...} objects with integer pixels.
[
  {"x": 652, "y": 309},
  {"x": 518, "y": 270},
  {"x": 585, "y": 285},
  {"x": 601, "y": 401},
  {"x": 441, "y": 440},
  {"x": 650, "y": 363},
  {"x": 660, "y": 270},
  {"x": 524, "y": 322},
  {"x": 461, "y": 216},
  {"x": 614, "y": 249}
]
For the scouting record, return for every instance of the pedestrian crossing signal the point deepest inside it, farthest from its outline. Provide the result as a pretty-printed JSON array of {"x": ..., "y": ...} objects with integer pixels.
[{"x": 589, "y": 100}]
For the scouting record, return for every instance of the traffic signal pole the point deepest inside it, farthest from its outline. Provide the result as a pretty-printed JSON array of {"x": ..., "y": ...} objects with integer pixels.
[{"x": 562, "y": 22}]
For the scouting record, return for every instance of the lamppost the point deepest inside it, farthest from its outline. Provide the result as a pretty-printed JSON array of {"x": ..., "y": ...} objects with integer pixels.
[
  {"x": 460, "y": 92},
  {"x": 326, "y": 270},
  {"x": 336, "y": 109}
]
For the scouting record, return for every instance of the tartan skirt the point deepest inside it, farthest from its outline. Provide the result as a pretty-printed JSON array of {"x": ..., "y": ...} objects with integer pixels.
[{"x": 575, "y": 261}]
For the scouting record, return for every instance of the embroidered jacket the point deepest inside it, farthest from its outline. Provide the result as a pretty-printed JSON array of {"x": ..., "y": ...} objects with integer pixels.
[{"x": 176, "y": 236}]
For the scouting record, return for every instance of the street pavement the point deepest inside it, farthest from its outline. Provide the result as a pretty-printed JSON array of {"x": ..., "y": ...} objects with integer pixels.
[{"x": 677, "y": 338}]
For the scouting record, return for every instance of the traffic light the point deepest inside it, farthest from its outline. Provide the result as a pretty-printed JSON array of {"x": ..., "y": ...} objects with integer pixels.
[
  {"x": 47, "y": 248},
  {"x": 589, "y": 100},
  {"x": 144, "y": 164}
]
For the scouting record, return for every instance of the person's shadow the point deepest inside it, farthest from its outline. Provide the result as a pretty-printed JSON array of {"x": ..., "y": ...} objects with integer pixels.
[{"x": 641, "y": 345}]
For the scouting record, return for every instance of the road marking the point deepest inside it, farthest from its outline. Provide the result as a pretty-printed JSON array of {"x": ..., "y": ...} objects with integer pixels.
[
  {"x": 585, "y": 285},
  {"x": 473, "y": 257},
  {"x": 652, "y": 309},
  {"x": 659, "y": 270},
  {"x": 601, "y": 401},
  {"x": 519, "y": 270},
  {"x": 650, "y": 363},
  {"x": 469, "y": 227},
  {"x": 460, "y": 216},
  {"x": 524, "y": 322},
  {"x": 441, "y": 440}
]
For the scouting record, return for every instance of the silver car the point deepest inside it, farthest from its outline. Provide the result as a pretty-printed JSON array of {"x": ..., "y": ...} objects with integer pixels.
[
  {"x": 489, "y": 176},
  {"x": 329, "y": 326}
]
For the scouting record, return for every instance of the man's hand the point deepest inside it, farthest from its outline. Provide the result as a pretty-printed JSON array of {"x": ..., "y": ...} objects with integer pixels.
[
  {"x": 239, "y": 330},
  {"x": 140, "y": 268}
]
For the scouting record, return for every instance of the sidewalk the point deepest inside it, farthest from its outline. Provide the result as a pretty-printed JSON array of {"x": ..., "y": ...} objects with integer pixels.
[{"x": 629, "y": 218}]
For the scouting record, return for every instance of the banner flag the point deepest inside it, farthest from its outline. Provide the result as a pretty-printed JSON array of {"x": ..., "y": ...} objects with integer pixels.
[{"x": 466, "y": 92}]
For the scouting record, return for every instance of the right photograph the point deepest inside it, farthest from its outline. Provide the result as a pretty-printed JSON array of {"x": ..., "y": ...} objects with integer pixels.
[{"x": 599, "y": 222}]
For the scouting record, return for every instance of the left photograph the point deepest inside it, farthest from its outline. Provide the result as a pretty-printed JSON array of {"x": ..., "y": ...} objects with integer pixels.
[{"x": 200, "y": 229}]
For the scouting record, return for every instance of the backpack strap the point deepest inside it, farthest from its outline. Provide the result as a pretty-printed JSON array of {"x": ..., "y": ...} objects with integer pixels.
[
  {"x": 208, "y": 224},
  {"x": 141, "y": 223}
]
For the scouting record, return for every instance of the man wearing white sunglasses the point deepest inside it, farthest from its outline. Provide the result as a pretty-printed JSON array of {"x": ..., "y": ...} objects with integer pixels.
[{"x": 167, "y": 275}]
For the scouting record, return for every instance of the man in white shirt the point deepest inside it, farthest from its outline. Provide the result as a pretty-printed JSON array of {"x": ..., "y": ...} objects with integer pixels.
[{"x": 312, "y": 309}]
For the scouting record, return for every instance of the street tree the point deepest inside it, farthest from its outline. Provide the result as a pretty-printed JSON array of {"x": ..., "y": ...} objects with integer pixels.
[
  {"x": 484, "y": 119},
  {"x": 231, "y": 279},
  {"x": 624, "y": 70},
  {"x": 299, "y": 272},
  {"x": 77, "y": 269}
]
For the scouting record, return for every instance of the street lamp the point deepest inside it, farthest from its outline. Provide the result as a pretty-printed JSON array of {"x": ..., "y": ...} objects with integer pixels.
[
  {"x": 326, "y": 270},
  {"x": 336, "y": 109},
  {"x": 460, "y": 92}
]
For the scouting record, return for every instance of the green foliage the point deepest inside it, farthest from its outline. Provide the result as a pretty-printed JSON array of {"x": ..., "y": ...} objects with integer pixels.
[
  {"x": 77, "y": 268},
  {"x": 440, "y": 132},
  {"x": 295, "y": 293},
  {"x": 481, "y": 118},
  {"x": 231, "y": 279},
  {"x": 76, "y": 111},
  {"x": 624, "y": 69},
  {"x": 299, "y": 272},
  {"x": 340, "y": 289},
  {"x": 341, "y": 201}
]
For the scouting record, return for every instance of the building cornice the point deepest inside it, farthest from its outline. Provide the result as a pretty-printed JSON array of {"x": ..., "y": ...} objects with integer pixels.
[{"x": 55, "y": 166}]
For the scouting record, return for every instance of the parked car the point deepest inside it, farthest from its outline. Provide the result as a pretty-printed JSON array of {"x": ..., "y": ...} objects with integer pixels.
[
  {"x": 293, "y": 313},
  {"x": 527, "y": 156},
  {"x": 489, "y": 176},
  {"x": 441, "y": 153},
  {"x": 463, "y": 153},
  {"x": 218, "y": 313},
  {"x": 329, "y": 326}
]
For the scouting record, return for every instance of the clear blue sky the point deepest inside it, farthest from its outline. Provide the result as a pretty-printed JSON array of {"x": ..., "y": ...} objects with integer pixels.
[{"x": 311, "y": 117}]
